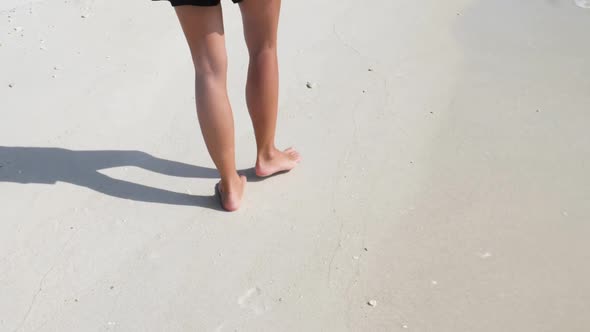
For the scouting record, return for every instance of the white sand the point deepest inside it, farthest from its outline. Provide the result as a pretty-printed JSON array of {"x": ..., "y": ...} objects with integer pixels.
[{"x": 454, "y": 191}]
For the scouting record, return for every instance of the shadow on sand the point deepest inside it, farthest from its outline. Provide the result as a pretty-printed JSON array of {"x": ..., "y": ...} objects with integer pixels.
[{"x": 46, "y": 165}]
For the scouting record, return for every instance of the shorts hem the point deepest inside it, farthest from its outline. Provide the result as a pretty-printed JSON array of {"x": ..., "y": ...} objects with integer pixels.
[{"x": 201, "y": 3}]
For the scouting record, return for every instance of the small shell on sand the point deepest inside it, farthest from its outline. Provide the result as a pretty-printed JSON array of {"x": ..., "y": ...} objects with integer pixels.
[
  {"x": 372, "y": 303},
  {"x": 485, "y": 255},
  {"x": 310, "y": 85}
]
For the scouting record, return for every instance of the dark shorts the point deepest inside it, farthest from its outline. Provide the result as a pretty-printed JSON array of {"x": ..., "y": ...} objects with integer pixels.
[{"x": 197, "y": 2}]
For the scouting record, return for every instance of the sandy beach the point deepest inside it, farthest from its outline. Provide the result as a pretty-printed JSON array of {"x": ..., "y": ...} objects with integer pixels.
[{"x": 445, "y": 182}]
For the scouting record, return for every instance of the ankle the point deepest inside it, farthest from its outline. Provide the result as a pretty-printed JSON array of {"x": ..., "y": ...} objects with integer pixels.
[
  {"x": 267, "y": 152},
  {"x": 230, "y": 180}
]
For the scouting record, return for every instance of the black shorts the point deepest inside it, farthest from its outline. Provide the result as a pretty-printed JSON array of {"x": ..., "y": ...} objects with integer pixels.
[{"x": 197, "y": 2}]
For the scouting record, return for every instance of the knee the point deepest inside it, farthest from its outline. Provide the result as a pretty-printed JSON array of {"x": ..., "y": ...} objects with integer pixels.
[
  {"x": 263, "y": 52},
  {"x": 210, "y": 65}
]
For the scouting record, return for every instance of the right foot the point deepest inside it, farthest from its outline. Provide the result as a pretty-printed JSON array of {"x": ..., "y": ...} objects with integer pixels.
[
  {"x": 277, "y": 161},
  {"x": 231, "y": 193}
]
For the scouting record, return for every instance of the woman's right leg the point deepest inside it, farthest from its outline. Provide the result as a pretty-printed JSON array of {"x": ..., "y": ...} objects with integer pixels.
[
  {"x": 203, "y": 28},
  {"x": 261, "y": 20}
]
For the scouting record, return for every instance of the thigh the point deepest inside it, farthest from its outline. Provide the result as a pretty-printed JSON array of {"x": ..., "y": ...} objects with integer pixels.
[
  {"x": 203, "y": 28},
  {"x": 261, "y": 21}
]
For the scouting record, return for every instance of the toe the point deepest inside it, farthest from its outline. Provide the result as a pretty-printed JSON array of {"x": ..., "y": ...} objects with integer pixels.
[{"x": 295, "y": 156}]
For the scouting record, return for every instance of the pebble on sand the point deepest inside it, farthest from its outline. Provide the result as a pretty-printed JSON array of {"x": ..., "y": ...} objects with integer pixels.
[
  {"x": 485, "y": 255},
  {"x": 11, "y": 85},
  {"x": 310, "y": 85},
  {"x": 372, "y": 303}
]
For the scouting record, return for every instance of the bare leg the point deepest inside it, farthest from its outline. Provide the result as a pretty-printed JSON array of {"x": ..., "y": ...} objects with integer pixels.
[
  {"x": 261, "y": 19},
  {"x": 203, "y": 28}
]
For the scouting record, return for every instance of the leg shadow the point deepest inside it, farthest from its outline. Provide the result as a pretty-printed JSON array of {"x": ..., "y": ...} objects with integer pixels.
[{"x": 45, "y": 165}]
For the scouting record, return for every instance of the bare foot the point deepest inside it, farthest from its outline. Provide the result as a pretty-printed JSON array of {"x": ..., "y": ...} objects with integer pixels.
[
  {"x": 277, "y": 161},
  {"x": 231, "y": 193}
]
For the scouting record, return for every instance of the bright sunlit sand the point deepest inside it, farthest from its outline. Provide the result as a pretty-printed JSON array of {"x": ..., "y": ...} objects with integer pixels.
[{"x": 445, "y": 184}]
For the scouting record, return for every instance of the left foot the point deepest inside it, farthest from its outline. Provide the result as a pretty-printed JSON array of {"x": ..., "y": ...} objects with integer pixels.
[
  {"x": 276, "y": 161},
  {"x": 231, "y": 193}
]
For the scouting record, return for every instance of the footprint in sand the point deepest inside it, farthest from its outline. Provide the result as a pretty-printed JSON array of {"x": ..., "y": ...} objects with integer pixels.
[{"x": 252, "y": 299}]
